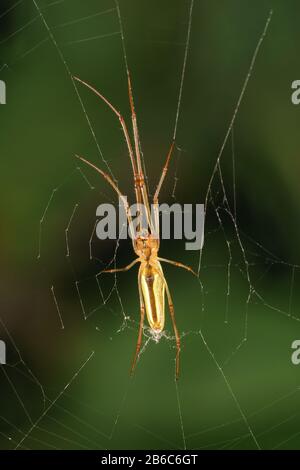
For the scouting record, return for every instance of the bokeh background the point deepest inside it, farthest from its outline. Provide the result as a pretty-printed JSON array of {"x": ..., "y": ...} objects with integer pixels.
[{"x": 237, "y": 376}]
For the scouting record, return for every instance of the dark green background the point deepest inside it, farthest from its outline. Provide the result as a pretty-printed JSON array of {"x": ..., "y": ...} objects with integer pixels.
[{"x": 43, "y": 126}]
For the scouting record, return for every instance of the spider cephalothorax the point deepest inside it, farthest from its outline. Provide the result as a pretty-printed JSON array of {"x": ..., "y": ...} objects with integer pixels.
[{"x": 146, "y": 247}]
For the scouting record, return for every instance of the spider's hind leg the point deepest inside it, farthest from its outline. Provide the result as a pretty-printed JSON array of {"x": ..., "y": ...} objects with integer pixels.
[
  {"x": 177, "y": 336},
  {"x": 140, "y": 335},
  {"x": 118, "y": 270}
]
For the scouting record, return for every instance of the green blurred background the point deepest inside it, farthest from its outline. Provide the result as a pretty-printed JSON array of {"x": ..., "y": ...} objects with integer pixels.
[{"x": 247, "y": 348}]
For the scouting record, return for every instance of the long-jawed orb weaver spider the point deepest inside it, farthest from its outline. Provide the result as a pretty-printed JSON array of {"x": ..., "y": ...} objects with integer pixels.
[{"x": 151, "y": 280}]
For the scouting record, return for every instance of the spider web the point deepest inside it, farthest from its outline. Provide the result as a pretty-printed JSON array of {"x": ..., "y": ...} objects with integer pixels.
[{"x": 70, "y": 331}]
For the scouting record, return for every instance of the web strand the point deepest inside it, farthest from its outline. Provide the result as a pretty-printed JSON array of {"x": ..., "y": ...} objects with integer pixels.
[
  {"x": 187, "y": 45},
  {"x": 241, "y": 96},
  {"x": 34, "y": 425},
  {"x": 59, "y": 51}
]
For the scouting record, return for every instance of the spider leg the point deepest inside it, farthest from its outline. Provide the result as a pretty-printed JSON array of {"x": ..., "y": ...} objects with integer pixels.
[
  {"x": 177, "y": 336},
  {"x": 140, "y": 334},
  {"x": 163, "y": 174},
  {"x": 140, "y": 178},
  {"x": 172, "y": 315},
  {"x": 115, "y": 187},
  {"x": 158, "y": 188},
  {"x": 156, "y": 231},
  {"x": 179, "y": 265},
  {"x": 121, "y": 119},
  {"x": 126, "y": 268},
  {"x": 137, "y": 174}
]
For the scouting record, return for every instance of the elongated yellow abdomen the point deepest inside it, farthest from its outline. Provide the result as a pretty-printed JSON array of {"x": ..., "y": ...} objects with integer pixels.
[{"x": 153, "y": 290}]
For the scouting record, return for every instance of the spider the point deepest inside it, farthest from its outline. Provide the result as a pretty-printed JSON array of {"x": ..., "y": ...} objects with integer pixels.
[{"x": 152, "y": 284}]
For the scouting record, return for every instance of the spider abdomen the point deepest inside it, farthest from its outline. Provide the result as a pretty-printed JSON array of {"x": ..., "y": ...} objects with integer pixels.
[{"x": 153, "y": 291}]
